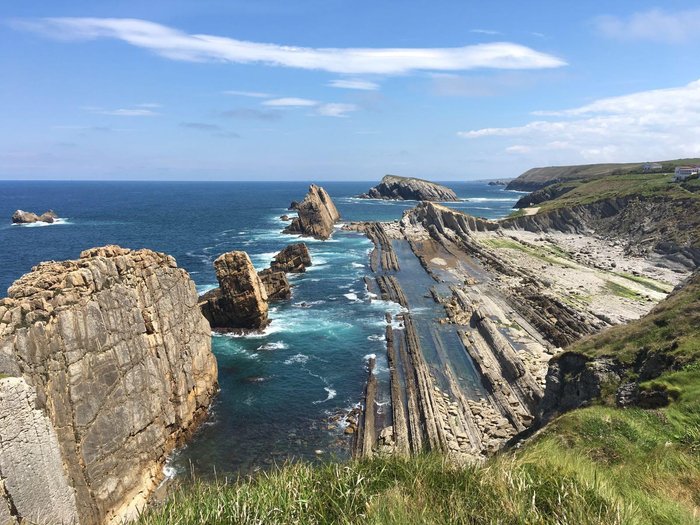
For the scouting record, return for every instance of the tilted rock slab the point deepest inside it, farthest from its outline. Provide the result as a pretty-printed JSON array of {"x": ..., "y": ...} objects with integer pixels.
[
  {"x": 240, "y": 302},
  {"x": 106, "y": 366},
  {"x": 317, "y": 214},
  {"x": 393, "y": 187}
]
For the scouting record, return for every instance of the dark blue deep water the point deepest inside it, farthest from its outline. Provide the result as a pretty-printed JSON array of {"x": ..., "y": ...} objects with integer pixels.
[{"x": 278, "y": 390}]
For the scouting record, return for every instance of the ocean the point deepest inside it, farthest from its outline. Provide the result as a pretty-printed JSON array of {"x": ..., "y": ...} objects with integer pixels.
[{"x": 282, "y": 392}]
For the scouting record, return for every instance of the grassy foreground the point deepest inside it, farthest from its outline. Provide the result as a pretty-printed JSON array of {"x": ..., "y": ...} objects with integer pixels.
[{"x": 596, "y": 465}]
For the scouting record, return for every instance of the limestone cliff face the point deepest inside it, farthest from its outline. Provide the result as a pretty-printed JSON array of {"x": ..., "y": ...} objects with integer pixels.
[
  {"x": 316, "y": 214},
  {"x": 393, "y": 187},
  {"x": 106, "y": 366},
  {"x": 240, "y": 302}
]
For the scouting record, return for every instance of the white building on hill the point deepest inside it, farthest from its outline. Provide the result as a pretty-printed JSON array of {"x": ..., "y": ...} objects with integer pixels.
[{"x": 683, "y": 172}]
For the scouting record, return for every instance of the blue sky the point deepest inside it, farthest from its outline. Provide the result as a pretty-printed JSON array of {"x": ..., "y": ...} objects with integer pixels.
[{"x": 341, "y": 90}]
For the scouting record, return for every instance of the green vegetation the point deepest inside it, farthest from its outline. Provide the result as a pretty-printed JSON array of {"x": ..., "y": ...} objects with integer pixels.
[
  {"x": 596, "y": 465},
  {"x": 516, "y": 213},
  {"x": 544, "y": 176},
  {"x": 651, "y": 284},
  {"x": 643, "y": 185},
  {"x": 549, "y": 253},
  {"x": 621, "y": 291},
  {"x": 672, "y": 328}
]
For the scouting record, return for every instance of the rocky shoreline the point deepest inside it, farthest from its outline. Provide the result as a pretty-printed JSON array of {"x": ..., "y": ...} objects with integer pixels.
[{"x": 511, "y": 318}]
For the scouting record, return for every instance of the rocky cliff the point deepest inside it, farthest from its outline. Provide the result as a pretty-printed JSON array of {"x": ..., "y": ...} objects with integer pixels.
[
  {"x": 316, "y": 214},
  {"x": 240, "y": 302},
  {"x": 105, "y": 366},
  {"x": 615, "y": 361},
  {"x": 393, "y": 187},
  {"x": 669, "y": 228}
]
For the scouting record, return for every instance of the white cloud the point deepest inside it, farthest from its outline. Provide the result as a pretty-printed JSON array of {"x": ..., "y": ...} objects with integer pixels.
[
  {"x": 290, "y": 102},
  {"x": 655, "y": 25},
  {"x": 485, "y": 31},
  {"x": 178, "y": 45},
  {"x": 251, "y": 94},
  {"x": 140, "y": 110},
  {"x": 336, "y": 109},
  {"x": 655, "y": 124},
  {"x": 355, "y": 83}
]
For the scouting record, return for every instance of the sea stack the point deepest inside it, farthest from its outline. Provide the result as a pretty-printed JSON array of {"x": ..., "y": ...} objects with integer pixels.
[
  {"x": 393, "y": 187},
  {"x": 105, "y": 366},
  {"x": 316, "y": 214},
  {"x": 240, "y": 302},
  {"x": 276, "y": 285},
  {"x": 26, "y": 217},
  {"x": 295, "y": 258}
]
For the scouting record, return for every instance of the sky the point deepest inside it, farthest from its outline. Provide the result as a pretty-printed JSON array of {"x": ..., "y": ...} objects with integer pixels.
[{"x": 342, "y": 90}]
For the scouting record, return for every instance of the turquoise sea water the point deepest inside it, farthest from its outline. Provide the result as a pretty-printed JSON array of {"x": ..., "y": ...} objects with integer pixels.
[{"x": 279, "y": 390}]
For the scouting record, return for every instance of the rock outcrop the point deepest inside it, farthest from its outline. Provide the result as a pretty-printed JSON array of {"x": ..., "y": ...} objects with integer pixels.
[
  {"x": 276, "y": 285},
  {"x": 26, "y": 217},
  {"x": 669, "y": 228},
  {"x": 240, "y": 302},
  {"x": 393, "y": 187},
  {"x": 105, "y": 366},
  {"x": 316, "y": 214},
  {"x": 295, "y": 258}
]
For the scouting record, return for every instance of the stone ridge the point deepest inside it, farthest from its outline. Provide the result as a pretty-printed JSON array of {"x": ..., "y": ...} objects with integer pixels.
[
  {"x": 316, "y": 215},
  {"x": 393, "y": 187},
  {"x": 106, "y": 366}
]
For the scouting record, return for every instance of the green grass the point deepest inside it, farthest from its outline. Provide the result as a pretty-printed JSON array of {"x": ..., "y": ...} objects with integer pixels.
[
  {"x": 516, "y": 213},
  {"x": 548, "y": 254},
  {"x": 651, "y": 284},
  {"x": 597, "y": 465},
  {"x": 622, "y": 291},
  {"x": 672, "y": 328},
  {"x": 643, "y": 185}
]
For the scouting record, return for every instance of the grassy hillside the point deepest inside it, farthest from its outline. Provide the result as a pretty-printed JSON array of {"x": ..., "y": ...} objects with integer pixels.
[
  {"x": 643, "y": 185},
  {"x": 597, "y": 465},
  {"x": 536, "y": 178}
]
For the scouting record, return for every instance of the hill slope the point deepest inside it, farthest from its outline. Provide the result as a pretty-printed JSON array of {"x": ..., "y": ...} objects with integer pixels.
[{"x": 537, "y": 178}]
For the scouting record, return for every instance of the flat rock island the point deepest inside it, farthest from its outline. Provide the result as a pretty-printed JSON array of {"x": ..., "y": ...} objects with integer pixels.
[{"x": 393, "y": 187}]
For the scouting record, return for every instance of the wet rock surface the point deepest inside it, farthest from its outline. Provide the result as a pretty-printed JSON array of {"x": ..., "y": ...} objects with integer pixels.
[
  {"x": 106, "y": 366},
  {"x": 393, "y": 187},
  {"x": 316, "y": 215}
]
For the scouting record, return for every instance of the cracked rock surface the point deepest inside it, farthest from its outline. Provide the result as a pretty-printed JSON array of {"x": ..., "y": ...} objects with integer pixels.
[{"x": 106, "y": 366}]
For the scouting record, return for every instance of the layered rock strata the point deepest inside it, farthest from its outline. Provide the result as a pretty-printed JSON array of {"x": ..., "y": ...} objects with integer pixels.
[
  {"x": 294, "y": 258},
  {"x": 393, "y": 187},
  {"x": 276, "y": 285},
  {"x": 106, "y": 366},
  {"x": 26, "y": 217},
  {"x": 469, "y": 383},
  {"x": 240, "y": 302},
  {"x": 316, "y": 215}
]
